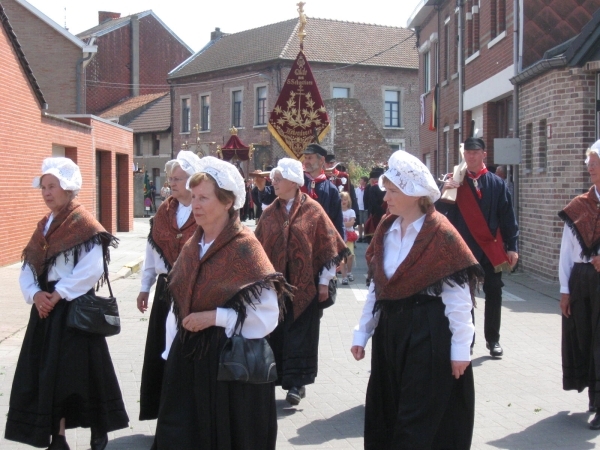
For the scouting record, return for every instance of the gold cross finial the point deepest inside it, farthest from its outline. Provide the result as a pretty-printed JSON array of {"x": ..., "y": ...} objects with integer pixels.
[{"x": 301, "y": 32}]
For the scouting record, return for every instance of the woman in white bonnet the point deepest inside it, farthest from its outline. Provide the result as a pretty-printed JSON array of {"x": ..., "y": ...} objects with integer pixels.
[
  {"x": 64, "y": 378},
  {"x": 418, "y": 311},
  {"x": 221, "y": 281}
]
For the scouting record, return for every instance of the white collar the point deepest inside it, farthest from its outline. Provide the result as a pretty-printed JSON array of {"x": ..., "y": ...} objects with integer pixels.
[
  {"x": 417, "y": 224},
  {"x": 597, "y": 193}
]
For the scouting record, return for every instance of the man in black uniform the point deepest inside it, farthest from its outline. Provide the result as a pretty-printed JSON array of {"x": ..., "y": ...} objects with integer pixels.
[{"x": 484, "y": 217}]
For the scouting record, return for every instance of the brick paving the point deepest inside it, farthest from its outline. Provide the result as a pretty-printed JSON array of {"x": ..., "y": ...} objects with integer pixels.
[{"x": 520, "y": 403}]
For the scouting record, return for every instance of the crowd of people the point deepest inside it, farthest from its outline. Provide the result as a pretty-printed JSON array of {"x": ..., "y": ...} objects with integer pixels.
[{"x": 216, "y": 280}]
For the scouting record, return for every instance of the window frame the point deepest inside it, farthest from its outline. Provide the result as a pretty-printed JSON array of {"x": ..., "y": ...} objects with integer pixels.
[
  {"x": 204, "y": 115},
  {"x": 237, "y": 107},
  {"x": 261, "y": 105},
  {"x": 426, "y": 71},
  {"x": 400, "y": 96},
  {"x": 188, "y": 99}
]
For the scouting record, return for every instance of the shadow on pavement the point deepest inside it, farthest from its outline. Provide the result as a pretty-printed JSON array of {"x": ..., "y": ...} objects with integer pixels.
[
  {"x": 284, "y": 409},
  {"x": 347, "y": 424},
  {"x": 132, "y": 442},
  {"x": 563, "y": 430}
]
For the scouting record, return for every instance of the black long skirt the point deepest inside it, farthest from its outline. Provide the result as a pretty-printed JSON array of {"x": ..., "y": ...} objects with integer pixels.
[
  {"x": 199, "y": 412},
  {"x": 154, "y": 364},
  {"x": 413, "y": 401},
  {"x": 581, "y": 333},
  {"x": 62, "y": 373},
  {"x": 295, "y": 344}
]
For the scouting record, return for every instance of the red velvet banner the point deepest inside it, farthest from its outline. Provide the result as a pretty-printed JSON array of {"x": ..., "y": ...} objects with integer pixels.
[{"x": 299, "y": 114}]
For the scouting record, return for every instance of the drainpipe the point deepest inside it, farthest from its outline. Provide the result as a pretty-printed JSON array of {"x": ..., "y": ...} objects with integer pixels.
[
  {"x": 461, "y": 71},
  {"x": 516, "y": 31},
  {"x": 135, "y": 56},
  {"x": 79, "y": 65}
]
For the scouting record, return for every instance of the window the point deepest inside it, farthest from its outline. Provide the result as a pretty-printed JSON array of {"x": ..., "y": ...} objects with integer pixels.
[
  {"x": 185, "y": 115},
  {"x": 447, "y": 51},
  {"x": 341, "y": 92},
  {"x": 456, "y": 49},
  {"x": 395, "y": 147},
  {"x": 156, "y": 179},
  {"x": 528, "y": 148},
  {"x": 205, "y": 113},
  {"x": 498, "y": 17},
  {"x": 392, "y": 109},
  {"x": 427, "y": 161},
  {"x": 261, "y": 105},
  {"x": 155, "y": 144},
  {"x": 504, "y": 114},
  {"x": 475, "y": 26},
  {"x": 456, "y": 143},
  {"x": 236, "y": 108},
  {"x": 426, "y": 74},
  {"x": 543, "y": 143},
  {"x": 138, "y": 145}
]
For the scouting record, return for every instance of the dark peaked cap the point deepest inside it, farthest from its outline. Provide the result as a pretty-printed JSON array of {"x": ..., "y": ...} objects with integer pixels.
[
  {"x": 474, "y": 144},
  {"x": 330, "y": 158},
  {"x": 315, "y": 149}
]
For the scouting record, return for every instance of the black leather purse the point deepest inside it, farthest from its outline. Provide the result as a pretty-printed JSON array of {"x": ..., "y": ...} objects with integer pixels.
[
  {"x": 247, "y": 361},
  {"x": 95, "y": 314},
  {"x": 332, "y": 294}
]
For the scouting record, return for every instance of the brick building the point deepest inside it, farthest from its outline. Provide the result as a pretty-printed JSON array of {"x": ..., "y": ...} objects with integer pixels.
[
  {"x": 370, "y": 71},
  {"x": 135, "y": 54},
  {"x": 28, "y": 134},
  {"x": 475, "y": 92},
  {"x": 57, "y": 58}
]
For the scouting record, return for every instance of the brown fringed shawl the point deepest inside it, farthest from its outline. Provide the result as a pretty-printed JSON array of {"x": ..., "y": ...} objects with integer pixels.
[
  {"x": 233, "y": 270},
  {"x": 71, "y": 229},
  {"x": 438, "y": 255},
  {"x": 582, "y": 216},
  {"x": 165, "y": 237},
  {"x": 300, "y": 244}
]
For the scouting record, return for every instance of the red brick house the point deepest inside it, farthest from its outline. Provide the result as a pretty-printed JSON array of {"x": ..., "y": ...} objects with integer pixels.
[
  {"x": 135, "y": 54},
  {"x": 235, "y": 80},
  {"x": 28, "y": 134},
  {"x": 56, "y": 56},
  {"x": 474, "y": 57}
]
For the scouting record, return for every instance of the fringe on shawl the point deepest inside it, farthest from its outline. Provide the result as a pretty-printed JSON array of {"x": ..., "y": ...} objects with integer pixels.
[
  {"x": 336, "y": 260},
  {"x": 585, "y": 251},
  {"x": 245, "y": 297},
  {"x": 156, "y": 248},
  {"x": 104, "y": 238},
  {"x": 462, "y": 277}
]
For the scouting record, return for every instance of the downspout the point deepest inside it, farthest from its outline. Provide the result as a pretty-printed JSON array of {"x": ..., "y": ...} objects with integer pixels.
[
  {"x": 516, "y": 31},
  {"x": 438, "y": 90},
  {"x": 461, "y": 72},
  {"x": 172, "y": 93},
  {"x": 79, "y": 65}
]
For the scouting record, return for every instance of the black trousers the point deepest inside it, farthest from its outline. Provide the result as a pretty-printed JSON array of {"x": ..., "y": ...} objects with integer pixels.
[{"x": 492, "y": 288}]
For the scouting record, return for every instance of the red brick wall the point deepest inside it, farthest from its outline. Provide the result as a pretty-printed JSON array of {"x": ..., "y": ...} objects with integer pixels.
[
  {"x": 160, "y": 52},
  {"x": 51, "y": 56},
  {"x": 566, "y": 100},
  {"x": 25, "y": 131}
]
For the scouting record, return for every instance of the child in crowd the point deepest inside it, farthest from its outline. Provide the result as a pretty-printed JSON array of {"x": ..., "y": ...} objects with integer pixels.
[{"x": 350, "y": 238}]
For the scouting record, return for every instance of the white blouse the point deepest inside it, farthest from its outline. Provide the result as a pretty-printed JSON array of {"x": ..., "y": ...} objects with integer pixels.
[
  {"x": 73, "y": 281},
  {"x": 259, "y": 322},
  {"x": 457, "y": 300},
  {"x": 153, "y": 263}
]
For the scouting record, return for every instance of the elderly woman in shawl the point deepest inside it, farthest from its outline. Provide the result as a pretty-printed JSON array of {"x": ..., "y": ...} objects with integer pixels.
[
  {"x": 222, "y": 282},
  {"x": 418, "y": 310},
  {"x": 301, "y": 242},
  {"x": 64, "y": 378},
  {"x": 170, "y": 229},
  {"x": 579, "y": 265}
]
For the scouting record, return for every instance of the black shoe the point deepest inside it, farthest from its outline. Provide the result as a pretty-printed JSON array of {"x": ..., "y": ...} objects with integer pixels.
[
  {"x": 59, "y": 442},
  {"x": 495, "y": 349},
  {"x": 592, "y": 408},
  {"x": 295, "y": 394},
  {"x": 99, "y": 440},
  {"x": 595, "y": 423}
]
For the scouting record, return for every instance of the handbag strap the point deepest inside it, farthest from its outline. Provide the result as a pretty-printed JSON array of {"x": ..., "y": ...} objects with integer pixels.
[{"x": 76, "y": 260}]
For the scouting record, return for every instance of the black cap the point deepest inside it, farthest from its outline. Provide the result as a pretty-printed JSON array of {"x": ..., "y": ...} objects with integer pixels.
[
  {"x": 474, "y": 144},
  {"x": 376, "y": 172},
  {"x": 269, "y": 168},
  {"x": 315, "y": 149},
  {"x": 330, "y": 158}
]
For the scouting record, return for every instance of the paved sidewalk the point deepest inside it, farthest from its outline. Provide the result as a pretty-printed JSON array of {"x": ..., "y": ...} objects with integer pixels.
[{"x": 519, "y": 400}]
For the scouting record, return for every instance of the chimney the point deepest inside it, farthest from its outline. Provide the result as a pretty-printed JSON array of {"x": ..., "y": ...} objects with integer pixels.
[
  {"x": 217, "y": 34},
  {"x": 104, "y": 16}
]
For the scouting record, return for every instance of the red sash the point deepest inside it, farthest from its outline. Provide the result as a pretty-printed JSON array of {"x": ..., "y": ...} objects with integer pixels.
[{"x": 493, "y": 247}]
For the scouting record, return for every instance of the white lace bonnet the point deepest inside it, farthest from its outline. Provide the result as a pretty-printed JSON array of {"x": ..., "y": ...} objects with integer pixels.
[
  {"x": 67, "y": 172},
  {"x": 595, "y": 148},
  {"x": 227, "y": 177},
  {"x": 411, "y": 176},
  {"x": 187, "y": 160},
  {"x": 290, "y": 169}
]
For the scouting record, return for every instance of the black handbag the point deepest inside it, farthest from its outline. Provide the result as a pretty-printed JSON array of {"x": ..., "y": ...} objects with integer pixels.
[
  {"x": 247, "y": 361},
  {"x": 95, "y": 314},
  {"x": 332, "y": 294}
]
